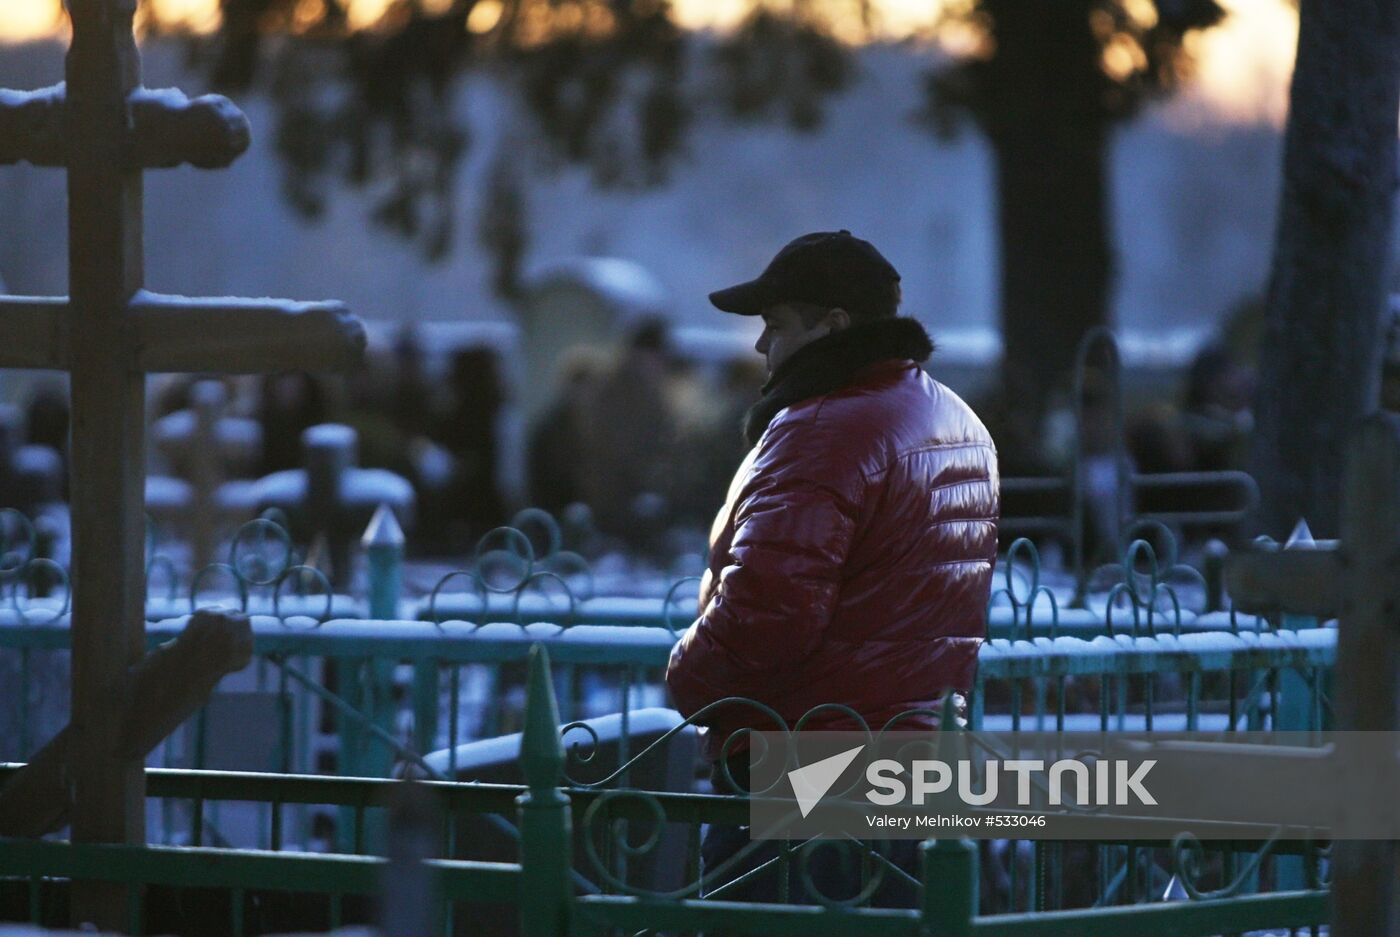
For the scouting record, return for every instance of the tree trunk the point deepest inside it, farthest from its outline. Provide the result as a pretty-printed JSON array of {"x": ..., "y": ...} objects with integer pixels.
[
  {"x": 1056, "y": 262},
  {"x": 1320, "y": 358}
]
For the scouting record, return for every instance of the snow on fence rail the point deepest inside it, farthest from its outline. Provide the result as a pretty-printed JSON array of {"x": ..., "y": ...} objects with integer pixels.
[
  {"x": 1192, "y": 678},
  {"x": 568, "y": 843}
]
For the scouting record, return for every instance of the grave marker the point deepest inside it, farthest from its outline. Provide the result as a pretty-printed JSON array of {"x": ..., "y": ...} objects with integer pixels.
[
  {"x": 205, "y": 446},
  {"x": 1354, "y": 580},
  {"x": 105, "y": 129},
  {"x": 333, "y": 498}
]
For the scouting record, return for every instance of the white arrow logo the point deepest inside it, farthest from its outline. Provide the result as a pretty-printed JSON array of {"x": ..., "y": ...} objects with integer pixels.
[{"x": 810, "y": 783}]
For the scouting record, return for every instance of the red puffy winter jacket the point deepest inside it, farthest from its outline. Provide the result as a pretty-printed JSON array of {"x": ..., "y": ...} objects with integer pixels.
[{"x": 851, "y": 563}]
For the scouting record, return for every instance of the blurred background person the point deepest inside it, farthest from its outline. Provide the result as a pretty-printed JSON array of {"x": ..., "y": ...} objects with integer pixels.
[
  {"x": 288, "y": 403},
  {"x": 469, "y": 429},
  {"x": 554, "y": 449},
  {"x": 629, "y": 435}
]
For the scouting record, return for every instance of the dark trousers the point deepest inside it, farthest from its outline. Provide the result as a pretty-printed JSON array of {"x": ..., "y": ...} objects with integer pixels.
[{"x": 833, "y": 868}]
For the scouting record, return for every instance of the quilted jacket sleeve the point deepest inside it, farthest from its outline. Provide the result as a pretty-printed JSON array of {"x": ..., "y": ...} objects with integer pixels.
[{"x": 793, "y": 526}]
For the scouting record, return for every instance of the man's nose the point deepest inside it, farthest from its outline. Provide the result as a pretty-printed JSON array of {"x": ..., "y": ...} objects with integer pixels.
[{"x": 761, "y": 346}]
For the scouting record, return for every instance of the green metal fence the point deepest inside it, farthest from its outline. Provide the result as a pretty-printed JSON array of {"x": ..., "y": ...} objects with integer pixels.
[
  {"x": 1141, "y": 661},
  {"x": 552, "y": 894},
  {"x": 627, "y": 653},
  {"x": 1246, "y": 680},
  {"x": 1185, "y": 681}
]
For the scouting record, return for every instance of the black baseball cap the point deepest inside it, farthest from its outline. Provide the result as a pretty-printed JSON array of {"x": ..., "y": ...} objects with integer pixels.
[{"x": 826, "y": 268}]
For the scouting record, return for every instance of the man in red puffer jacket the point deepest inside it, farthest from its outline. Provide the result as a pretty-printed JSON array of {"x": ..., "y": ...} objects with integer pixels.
[{"x": 852, "y": 560}]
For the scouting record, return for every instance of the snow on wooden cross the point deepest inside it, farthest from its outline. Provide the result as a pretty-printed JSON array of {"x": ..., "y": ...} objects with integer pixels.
[
  {"x": 104, "y": 129},
  {"x": 332, "y": 498}
]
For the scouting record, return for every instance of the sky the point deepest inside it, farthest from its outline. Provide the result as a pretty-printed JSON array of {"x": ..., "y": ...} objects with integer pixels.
[{"x": 1243, "y": 71}]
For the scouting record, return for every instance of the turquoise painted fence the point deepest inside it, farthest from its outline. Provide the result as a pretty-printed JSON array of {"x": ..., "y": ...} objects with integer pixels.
[{"x": 548, "y": 894}]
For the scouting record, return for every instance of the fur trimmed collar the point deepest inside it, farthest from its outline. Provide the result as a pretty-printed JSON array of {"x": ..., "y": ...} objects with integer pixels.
[{"x": 830, "y": 362}]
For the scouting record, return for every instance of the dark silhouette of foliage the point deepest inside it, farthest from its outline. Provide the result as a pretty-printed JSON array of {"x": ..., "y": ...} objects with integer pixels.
[
  {"x": 780, "y": 67},
  {"x": 368, "y": 107},
  {"x": 606, "y": 84},
  {"x": 1085, "y": 61}
]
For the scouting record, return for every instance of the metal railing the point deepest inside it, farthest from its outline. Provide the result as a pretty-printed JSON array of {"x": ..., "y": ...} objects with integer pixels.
[
  {"x": 1141, "y": 661},
  {"x": 555, "y": 895}
]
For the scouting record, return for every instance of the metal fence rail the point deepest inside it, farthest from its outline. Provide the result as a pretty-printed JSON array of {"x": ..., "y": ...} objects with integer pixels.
[
  {"x": 633, "y": 657},
  {"x": 549, "y": 894},
  {"x": 1139, "y": 662},
  {"x": 949, "y": 880}
]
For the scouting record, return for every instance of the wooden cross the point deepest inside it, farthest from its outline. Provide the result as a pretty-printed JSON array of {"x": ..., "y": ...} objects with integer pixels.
[
  {"x": 332, "y": 499},
  {"x": 104, "y": 129},
  {"x": 1357, "y": 581},
  {"x": 204, "y": 445}
]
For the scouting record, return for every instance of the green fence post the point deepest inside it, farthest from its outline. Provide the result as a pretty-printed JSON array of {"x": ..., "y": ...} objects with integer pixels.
[
  {"x": 369, "y": 682},
  {"x": 950, "y": 887},
  {"x": 545, "y": 841},
  {"x": 383, "y": 543}
]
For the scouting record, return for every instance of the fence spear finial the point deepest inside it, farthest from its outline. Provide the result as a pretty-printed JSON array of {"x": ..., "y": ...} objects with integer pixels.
[
  {"x": 541, "y": 752},
  {"x": 383, "y": 543}
]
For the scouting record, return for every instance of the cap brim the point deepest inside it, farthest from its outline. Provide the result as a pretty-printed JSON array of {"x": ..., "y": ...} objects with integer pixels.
[{"x": 745, "y": 299}]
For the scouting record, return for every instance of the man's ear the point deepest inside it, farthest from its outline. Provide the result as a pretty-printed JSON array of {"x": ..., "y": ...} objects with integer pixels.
[{"x": 838, "y": 319}]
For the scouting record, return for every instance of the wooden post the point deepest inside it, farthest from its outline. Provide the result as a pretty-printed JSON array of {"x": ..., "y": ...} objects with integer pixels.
[
  {"x": 108, "y": 448},
  {"x": 411, "y": 904},
  {"x": 104, "y": 128},
  {"x": 206, "y": 446},
  {"x": 330, "y": 456},
  {"x": 1354, "y": 580},
  {"x": 168, "y": 686},
  {"x": 1293, "y": 710},
  {"x": 1368, "y": 655}
]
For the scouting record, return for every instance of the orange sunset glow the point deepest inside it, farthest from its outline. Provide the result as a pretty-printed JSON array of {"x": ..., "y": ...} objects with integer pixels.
[{"x": 1242, "y": 74}]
